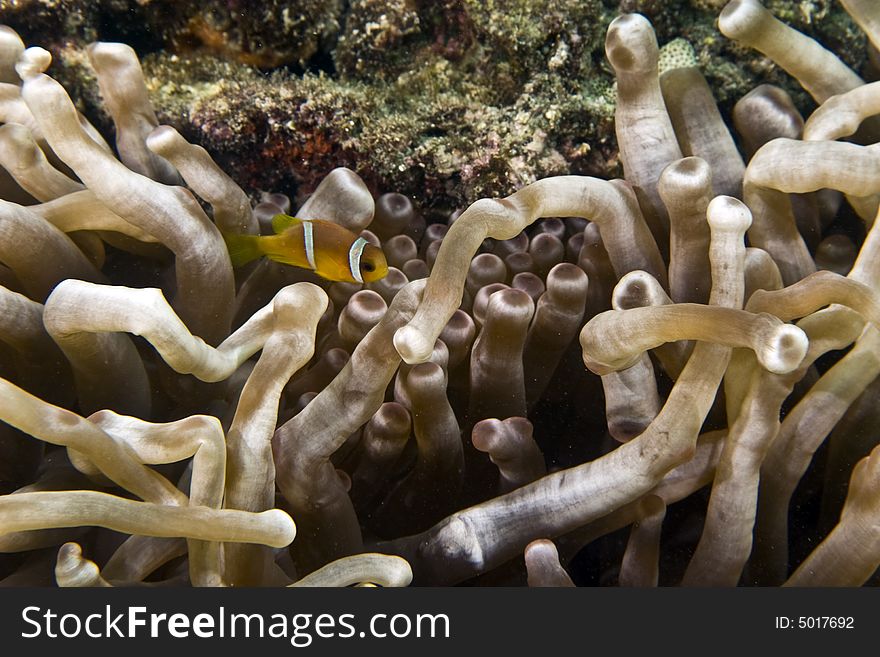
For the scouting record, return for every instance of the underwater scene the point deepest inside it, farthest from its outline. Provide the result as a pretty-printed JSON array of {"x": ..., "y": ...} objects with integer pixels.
[{"x": 439, "y": 293}]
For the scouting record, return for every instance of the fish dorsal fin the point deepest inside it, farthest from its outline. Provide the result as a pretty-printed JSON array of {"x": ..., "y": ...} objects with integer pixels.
[{"x": 281, "y": 222}]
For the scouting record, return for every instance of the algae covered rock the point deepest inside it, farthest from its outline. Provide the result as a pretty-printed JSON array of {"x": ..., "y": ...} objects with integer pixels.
[{"x": 444, "y": 100}]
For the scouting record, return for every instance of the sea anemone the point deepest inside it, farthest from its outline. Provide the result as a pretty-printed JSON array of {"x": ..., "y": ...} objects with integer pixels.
[{"x": 445, "y": 424}]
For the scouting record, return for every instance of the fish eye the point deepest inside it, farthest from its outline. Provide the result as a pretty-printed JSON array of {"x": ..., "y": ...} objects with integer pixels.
[{"x": 368, "y": 266}]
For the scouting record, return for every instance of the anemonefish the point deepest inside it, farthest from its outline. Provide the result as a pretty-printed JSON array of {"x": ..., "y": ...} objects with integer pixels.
[{"x": 328, "y": 249}]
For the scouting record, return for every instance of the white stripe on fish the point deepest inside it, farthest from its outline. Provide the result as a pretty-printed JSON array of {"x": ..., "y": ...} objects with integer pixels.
[
  {"x": 309, "y": 240},
  {"x": 354, "y": 258}
]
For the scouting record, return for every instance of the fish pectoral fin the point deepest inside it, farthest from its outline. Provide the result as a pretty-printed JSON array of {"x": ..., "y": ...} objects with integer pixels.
[{"x": 281, "y": 222}]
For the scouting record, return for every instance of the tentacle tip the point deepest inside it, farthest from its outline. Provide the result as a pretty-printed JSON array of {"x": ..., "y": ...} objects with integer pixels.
[
  {"x": 728, "y": 214},
  {"x": 161, "y": 137},
  {"x": 33, "y": 62},
  {"x": 284, "y": 529},
  {"x": 403, "y": 574},
  {"x": 690, "y": 173},
  {"x": 413, "y": 347},
  {"x": 630, "y": 43},
  {"x": 69, "y": 550},
  {"x": 739, "y": 17},
  {"x": 110, "y": 50},
  {"x": 785, "y": 350},
  {"x": 485, "y": 432},
  {"x": 539, "y": 550}
]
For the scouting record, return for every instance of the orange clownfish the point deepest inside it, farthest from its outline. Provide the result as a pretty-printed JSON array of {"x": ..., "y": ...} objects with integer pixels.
[{"x": 328, "y": 249}]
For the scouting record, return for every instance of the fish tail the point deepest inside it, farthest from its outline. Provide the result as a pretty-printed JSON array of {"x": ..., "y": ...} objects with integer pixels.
[{"x": 242, "y": 248}]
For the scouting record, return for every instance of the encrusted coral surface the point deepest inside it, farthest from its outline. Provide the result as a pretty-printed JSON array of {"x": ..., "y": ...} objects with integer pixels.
[{"x": 445, "y": 101}]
